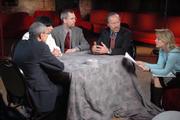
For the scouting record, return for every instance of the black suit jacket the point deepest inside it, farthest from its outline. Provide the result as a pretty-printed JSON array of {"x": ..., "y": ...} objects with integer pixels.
[
  {"x": 35, "y": 58},
  {"x": 122, "y": 43}
]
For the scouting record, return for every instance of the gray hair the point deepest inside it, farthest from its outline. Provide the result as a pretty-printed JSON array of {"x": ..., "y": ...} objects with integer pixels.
[
  {"x": 64, "y": 13},
  {"x": 36, "y": 29}
]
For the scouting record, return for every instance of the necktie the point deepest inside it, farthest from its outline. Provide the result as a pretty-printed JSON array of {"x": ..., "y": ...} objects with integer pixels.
[
  {"x": 67, "y": 41},
  {"x": 112, "y": 40}
]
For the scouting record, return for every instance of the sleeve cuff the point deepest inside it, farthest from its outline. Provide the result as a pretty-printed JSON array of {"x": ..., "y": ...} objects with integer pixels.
[{"x": 109, "y": 51}]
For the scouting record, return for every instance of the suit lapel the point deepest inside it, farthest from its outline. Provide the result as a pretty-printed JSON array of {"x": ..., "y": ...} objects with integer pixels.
[
  {"x": 118, "y": 39},
  {"x": 73, "y": 37},
  {"x": 62, "y": 33}
]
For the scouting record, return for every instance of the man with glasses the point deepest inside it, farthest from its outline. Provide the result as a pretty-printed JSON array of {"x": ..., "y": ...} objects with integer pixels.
[
  {"x": 55, "y": 50},
  {"x": 36, "y": 61},
  {"x": 67, "y": 36}
]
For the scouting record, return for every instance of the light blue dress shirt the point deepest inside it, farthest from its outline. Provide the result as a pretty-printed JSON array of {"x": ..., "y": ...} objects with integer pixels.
[{"x": 167, "y": 62}]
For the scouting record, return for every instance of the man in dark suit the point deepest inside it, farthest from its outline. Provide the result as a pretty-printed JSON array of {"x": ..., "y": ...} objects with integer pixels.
[
  {"x": 115, "y": 39},
  {"x": 33, "y": 56},
  {"x": 77, "y": 42}
]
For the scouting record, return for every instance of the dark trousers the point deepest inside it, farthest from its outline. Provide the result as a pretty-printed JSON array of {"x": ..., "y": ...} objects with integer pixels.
[
  {"x": 173, "y": 83},
  {"x": 63, "y": 80},
  {"x": 157, "y": 93}
]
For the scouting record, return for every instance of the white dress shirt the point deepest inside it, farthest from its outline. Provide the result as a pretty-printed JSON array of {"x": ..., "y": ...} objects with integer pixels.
[{"x": 50, "y": 41}]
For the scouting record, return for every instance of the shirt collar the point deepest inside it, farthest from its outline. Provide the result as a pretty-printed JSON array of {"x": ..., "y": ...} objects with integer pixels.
[{"x": 111, "y": 32}]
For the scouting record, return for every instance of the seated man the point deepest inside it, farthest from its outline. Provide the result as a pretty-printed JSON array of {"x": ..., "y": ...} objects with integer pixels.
[
  {"x": 55, "y": 50},
  {"x": 68, "y": 37},
  {"x": 35, "y": 59},
  {"x": 114, "y": 39}
]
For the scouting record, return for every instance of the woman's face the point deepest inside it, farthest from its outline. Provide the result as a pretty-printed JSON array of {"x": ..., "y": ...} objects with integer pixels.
[{"x": 160, "y": 43}]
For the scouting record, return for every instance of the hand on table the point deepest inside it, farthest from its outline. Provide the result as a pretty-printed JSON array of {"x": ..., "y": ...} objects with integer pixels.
[
  {"x": 99, "y": 49},
  {"x": 56, "y": 52}
]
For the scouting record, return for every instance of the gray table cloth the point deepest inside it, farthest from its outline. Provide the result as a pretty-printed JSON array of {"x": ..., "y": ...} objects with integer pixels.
[{"x": 101, "y": 88}]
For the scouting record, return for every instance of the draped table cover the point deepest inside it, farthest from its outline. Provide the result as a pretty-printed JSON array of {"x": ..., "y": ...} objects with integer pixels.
[{"x": 101, "y": 88}]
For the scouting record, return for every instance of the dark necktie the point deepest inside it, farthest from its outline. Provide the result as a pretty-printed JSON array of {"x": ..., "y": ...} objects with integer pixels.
[
  {"x": 67, "y": 43},
  {"x": 112, "y": 40}
]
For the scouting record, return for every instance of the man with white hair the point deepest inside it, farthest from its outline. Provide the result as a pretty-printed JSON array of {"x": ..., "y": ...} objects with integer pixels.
[
  {"x": 36, "y": 61},
  {"x": 55, "y": 50}
]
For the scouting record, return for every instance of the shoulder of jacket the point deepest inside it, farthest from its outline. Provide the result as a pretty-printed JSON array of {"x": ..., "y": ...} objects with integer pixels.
[
  {"x": 77, "y": 28},
  {"x": 105, "y": 30},
  {"x": 124, "y": 29},
  {"x": 55, "y": 29}
]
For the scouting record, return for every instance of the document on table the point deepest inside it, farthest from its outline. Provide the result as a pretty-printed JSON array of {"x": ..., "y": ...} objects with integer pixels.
[
  {"x": 129, "y": 57},
  {"x": 168, "y": 75}
]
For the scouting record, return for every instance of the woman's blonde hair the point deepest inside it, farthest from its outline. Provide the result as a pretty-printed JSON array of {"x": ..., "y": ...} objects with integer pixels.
[{"x": 167, "y": 36}]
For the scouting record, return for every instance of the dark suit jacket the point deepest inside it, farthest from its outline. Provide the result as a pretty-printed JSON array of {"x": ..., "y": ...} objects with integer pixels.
[
  {"x": 35, "y": 58},
  {"x": 122, "y": 42},
  {"x": 77, "y": 38}
]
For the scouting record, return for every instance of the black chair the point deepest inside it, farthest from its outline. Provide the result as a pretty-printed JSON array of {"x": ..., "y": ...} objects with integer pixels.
[
  {"x": 17, "y": 94},
  {"x": 132, "y": 49},
  {"x": 14, "y": 83}
]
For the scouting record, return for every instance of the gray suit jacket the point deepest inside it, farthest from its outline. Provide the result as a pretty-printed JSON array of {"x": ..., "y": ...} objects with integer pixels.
[{"x": 77, "y": 38}]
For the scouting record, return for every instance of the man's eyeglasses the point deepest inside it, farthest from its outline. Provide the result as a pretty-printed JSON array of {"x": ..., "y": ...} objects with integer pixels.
[{"x": 47, "y": 33}]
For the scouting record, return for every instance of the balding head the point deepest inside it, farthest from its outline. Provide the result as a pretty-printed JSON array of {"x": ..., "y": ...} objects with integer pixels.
[
  {"x": 36, "y": 29},
  {"x": 113, "y": 22}
]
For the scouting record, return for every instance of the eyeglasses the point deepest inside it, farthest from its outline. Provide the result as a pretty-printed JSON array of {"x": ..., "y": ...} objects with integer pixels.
[{"x": 47, "y": 33}]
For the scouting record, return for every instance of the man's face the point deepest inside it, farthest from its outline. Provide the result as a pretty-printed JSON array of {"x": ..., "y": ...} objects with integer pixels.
[
  {"x": 44, "y": 35},
  {"x": 114, "y": 23},
  {"x": 49, "y": 28},
  {"x": 70, "y": 20}
]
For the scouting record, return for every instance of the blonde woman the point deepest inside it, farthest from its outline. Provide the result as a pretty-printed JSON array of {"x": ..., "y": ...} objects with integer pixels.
[{"x": 168, "y": 62}]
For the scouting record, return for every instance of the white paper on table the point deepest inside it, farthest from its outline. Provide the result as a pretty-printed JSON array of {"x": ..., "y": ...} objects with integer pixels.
[
  {"x": 168, "y": 75},
  {"x": 129, "y": 57}
]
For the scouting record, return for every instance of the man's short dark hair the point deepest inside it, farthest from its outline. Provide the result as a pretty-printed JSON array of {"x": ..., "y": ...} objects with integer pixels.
[
  {"x": 64, "y": 14},
  {"x": 44, "y": 20}
]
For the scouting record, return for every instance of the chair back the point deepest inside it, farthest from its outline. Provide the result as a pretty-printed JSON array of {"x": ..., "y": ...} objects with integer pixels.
[{"x": 13, "y": 80}]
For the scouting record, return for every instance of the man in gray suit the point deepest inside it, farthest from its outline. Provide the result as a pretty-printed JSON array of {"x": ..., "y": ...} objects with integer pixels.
[{"x": 69, "y": 37}]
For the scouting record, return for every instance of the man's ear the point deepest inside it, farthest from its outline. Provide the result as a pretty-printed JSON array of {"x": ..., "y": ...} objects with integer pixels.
[
  {"x": 64, "y": 20},
  {"x": 40, "y": 37}
]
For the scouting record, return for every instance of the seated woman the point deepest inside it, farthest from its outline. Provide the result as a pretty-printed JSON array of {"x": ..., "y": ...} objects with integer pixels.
[{"x": 168, "y": 62}]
